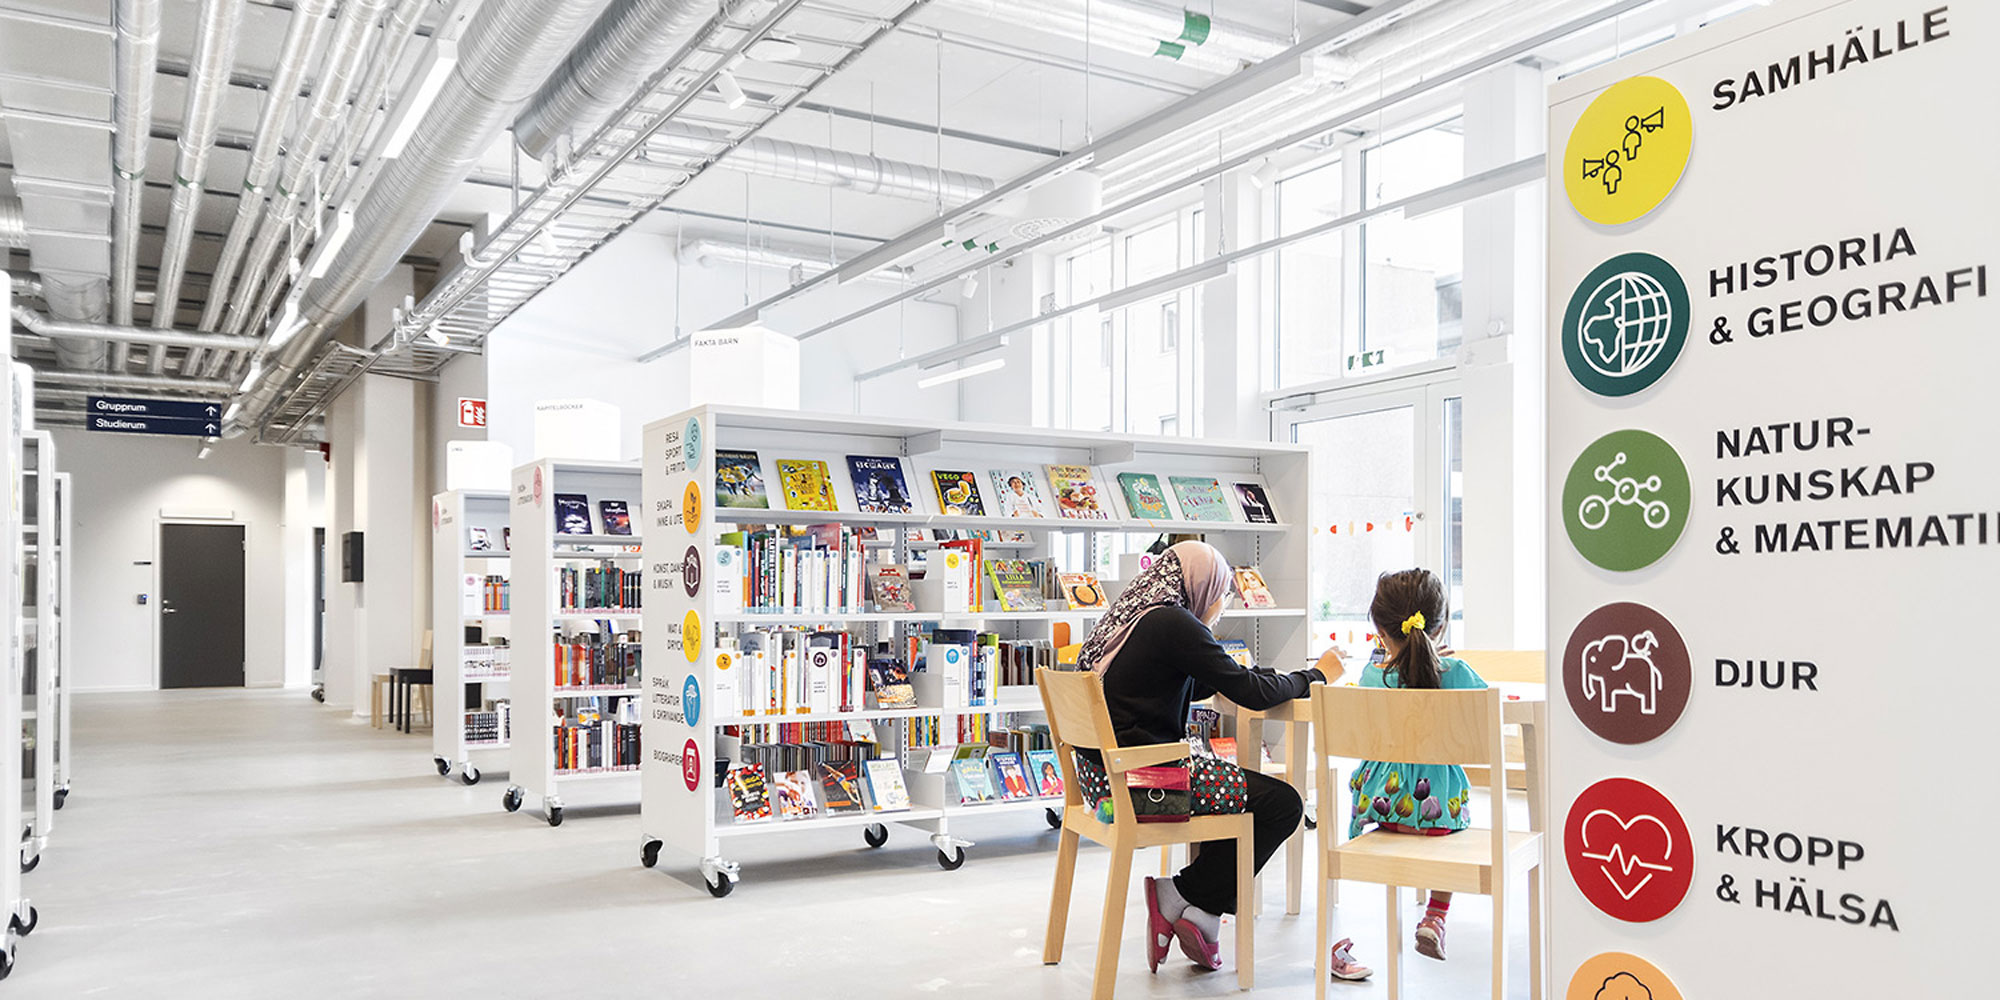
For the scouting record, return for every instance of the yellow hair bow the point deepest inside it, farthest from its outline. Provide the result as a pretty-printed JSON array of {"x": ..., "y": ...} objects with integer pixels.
[{"x": 1414, "y": 623}]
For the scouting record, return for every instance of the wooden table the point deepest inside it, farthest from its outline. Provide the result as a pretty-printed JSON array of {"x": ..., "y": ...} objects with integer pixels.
[{"x": 1524, "y": 705}]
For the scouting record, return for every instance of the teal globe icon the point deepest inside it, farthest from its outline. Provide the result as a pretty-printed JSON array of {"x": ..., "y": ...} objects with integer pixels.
[{"x": 1626, "y": 324}]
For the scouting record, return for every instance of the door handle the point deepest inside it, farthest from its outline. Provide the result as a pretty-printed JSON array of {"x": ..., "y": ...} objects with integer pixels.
[{"x": 169, "y": 611}]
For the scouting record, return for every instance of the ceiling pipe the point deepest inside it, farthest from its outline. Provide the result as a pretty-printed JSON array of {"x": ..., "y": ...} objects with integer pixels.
[
  {"x": 309, "y": 23},
  {"x": 102, "y": 380},
  {"x": 626, "y": 45},
  {"x": 84, "y": 298},
  {"x": 214, "y": 57},
  {"x": 138, "y": 46},
  {"x": 507, "y": 51},
  {"x": 13, "y": 225},
  {"x": 370, "y": 101},
  {"x": 825, "y": 167},
  {"x": 343, "y": 58},
  {"x": 26, "y": 287},
  {"x": 60, "y": 330}
]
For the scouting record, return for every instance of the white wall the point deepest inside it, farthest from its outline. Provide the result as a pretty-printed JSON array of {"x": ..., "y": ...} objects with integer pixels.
[
  {"x": 121, "y": 483},
  {"x": 581, "y": 339}
]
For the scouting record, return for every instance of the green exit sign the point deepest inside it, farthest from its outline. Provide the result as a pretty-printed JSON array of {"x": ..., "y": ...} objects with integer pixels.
[{"x": 1367, "y": 360}]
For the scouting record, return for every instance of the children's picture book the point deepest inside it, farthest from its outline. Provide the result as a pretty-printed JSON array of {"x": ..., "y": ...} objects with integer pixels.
[
  {"x": 1046, "y": 771},
  {"x": 1145, "y": 498},
  {"x": 975, "y": 785},
  {"x": 1014, "y": 584},
  {"x": 795, "y": 795},
  {"x": 1016, "y": 493},
  {"x": 807, "y": 484},
  {"x": 1082, "y": 590},
  {"x": 879, "y": 487},
  {"x": 840, "y": 784},
  {"x": 938, "y": 761},
  {"x": 886, "y": 790},
  {"x": 1200, "y": 498},
  {"x": 1239, "y": 651},
  {"x": 1013, "y": 775},
  {"x": 1250, "y": 585},
  {"x": 481, "y": 540},
  {"x": 1224, "y": 747},
  {"x": 889, "y": 588},
  {"x": 1256, "y": 504},
  {"x": 891, "y": 680},
  {"x": 749, "y": 796},
  {"x": 957, "y": 493},
  {"x": 1075, "y": 489},
  {"x": 572, "y": 514},
  {"x": 739, "y": 480},
  {"x": 617, "y": 519},
  {"x": 1203, "y": 723}
]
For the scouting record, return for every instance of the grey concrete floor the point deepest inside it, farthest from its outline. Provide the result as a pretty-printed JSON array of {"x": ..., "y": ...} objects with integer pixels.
[{"x": 255, "y": 844}]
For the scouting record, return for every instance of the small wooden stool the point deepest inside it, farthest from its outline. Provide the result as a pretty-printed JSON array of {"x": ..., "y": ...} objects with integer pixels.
[{"x": 378, "y": 691}]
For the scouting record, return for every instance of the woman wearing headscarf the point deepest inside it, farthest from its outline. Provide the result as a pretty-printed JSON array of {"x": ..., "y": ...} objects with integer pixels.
[{"x": 1156, "y": 655}]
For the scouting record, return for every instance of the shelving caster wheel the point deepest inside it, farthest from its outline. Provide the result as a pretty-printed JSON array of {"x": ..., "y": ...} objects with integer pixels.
[
  {"x": 7, "y": 960},
  {"x": 1054, "y": 818},
  {"x": 61, "y": 794},
  {"x": 950, "y": 851},
  {"x": 29, "y": 862},
  {"x": 1312, "y": 823},
  {"x": 443, "y": 766},
  {"x": 720, "y": 875},
  {"x": 510, "y": 800},
  {"x": 25, "y": 927},
  {"x": 649, "y": 855},
  {"x": 552, "y": 811},
  {"x": 470, "y": 775},
  {"x": 875, "y": 834},
  {"x": 319, "y": 695}
]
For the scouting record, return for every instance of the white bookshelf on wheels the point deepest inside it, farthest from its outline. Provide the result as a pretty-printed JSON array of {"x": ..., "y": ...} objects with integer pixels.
[
  {"x": 15, "y": 404},
  {"x": 696, "y": 623},
  {"x": 567, "y": 723},
  {"x": 41, "y": 643},
  {"x": 61, "y": 521},
  {"x": 470, "y": 591}
]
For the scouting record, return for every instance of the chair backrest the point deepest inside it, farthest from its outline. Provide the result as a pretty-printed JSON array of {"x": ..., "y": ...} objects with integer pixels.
[
  {"x": 1507, "y": 666},
  {"x": 1418, "y": 727},
  {"x": 1074, "y": 701},
  {"x": 424, "y": 658}
]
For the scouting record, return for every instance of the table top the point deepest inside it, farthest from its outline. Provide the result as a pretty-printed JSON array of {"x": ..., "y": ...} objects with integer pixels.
[{"x": 1517, "y": 705}]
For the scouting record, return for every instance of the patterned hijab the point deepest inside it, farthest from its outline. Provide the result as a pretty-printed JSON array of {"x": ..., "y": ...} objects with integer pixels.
[{"x": 1191, "y": 575}]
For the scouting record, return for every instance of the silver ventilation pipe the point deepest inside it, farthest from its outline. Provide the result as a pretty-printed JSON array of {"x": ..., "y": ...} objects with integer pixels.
[
  {"x": 507, "y": 51},
  {"x": 308, "y": 24},
  {"x": 100, "y": 380},
  {"x": 343, "y": 59},
  {"x": 61, "y": 330},
  {"x": 369, "y": 104},
  {"x": 25, "y": 288},
  {"x": 826, "y": 167},
  {"x": 138, "y": 24},
  {"x": 214, "y": 58},
  {"x": 79, "y": 297},
  {"x": 629, "y": 43},
  {"x": 13, "y": 225}
]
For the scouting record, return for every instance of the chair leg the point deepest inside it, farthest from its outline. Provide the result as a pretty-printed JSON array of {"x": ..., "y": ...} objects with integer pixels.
[
  {"x": 1166, "y": 860},
  {"x": 375, "y": 703},
  {"x": 1052, "y": 945},
  {"x": 1322, "y": 963},
  {"x": 1393, "y": 947},
  {"x": 1246, "y": 922},
  {"x": 1535, "y": 931},
  {"x": 1117, "y": 890},
  {"x": 1500, "y": 935}
]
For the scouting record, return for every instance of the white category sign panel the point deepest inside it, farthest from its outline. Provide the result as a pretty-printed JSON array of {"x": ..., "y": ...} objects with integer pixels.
[
  {"x": 677, "y": 786},
  {"x": 1775, "y": 506}
]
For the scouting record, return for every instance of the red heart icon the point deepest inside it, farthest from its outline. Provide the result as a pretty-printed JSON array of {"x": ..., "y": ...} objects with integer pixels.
[{"x": 1628, "y": 850}]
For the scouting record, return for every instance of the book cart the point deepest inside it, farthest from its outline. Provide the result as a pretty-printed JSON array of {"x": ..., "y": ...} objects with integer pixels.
[
  {"x": 21, "y": 914},
  {"x": 682, "y": 807},
  {"x": 469, "y": 592},
  {"x": 541, "y": 554},
  {"x": 40, "y": 644}
]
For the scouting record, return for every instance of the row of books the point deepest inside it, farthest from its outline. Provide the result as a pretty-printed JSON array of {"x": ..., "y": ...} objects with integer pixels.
[
  {"x": 818, "y": 572},
  {"x": 982, "y": 774},
  {"x": 1068, "y": 491},
  {"x": 800, "y": 755},
  {"x": 491, "y": 725},
  {"x": 488, "y": 662},
  {"x": 496, "y": 595},
  {"x": 605, "y": 743},
  {"x": 757, "y": 794},
  {"x": 606, "y": 587},
  {"x": 598, "y": 660},
  {"x": 790, "y": 671},
  {"x": 573, "y": 515}
]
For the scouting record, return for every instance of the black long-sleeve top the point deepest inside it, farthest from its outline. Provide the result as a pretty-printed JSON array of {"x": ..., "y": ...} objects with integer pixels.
[{"x": 1172, "y": 660}]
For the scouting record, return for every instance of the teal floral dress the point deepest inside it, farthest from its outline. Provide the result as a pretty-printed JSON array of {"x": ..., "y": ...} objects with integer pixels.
[{"x": 1418, "y": 797}]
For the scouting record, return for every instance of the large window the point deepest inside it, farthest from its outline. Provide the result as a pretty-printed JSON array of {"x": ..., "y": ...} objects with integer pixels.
[
  {"x": 1411, "y": 287},
  {"x": 1311, "y": 305},
  {"x": 1130, "y": 369}
]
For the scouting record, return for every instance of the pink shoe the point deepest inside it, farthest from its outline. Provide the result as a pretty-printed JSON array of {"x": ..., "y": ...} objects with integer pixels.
[
  {"x": 1430, "y": 936},
  {"x": 1197, "y": 947},
  {"x": 1159, "y": 930},
  {"x": 1344, "y": 966}
]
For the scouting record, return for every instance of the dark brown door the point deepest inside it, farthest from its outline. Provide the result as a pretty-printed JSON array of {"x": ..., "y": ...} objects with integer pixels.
[{"x": 201, "y": 605}]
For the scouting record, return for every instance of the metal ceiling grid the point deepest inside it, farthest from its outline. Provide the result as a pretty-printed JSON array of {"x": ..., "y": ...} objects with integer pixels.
[{"x": 609, "y": 181}]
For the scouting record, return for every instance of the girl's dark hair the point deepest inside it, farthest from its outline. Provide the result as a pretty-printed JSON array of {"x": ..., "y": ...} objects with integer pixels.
[{"x": 1398, "y": 597}]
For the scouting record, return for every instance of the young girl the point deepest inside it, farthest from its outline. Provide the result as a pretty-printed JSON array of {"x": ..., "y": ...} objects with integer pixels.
[{"x": 1409, "y": 613}]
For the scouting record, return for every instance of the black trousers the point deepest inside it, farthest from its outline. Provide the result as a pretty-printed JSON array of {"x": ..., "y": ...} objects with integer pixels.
[{"x": 1210, "y": 880}]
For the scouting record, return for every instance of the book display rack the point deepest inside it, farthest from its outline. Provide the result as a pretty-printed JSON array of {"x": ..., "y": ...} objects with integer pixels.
[
  {"x": 17, "y": 629},
  {"x": 792, "y": 638},
  {"x": 573, "y": 600},
  {"x": 471, "y": 648},
  {"x": 40, "y": 644}
]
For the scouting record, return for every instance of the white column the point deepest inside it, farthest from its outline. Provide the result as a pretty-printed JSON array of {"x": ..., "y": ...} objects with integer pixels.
[{"x": 1228, "y": 375}]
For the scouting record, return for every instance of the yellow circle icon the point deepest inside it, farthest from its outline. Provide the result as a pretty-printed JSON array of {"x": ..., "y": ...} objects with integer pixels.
[
  {"x": 1628, "y": 151},
  {"x": 1618, "y": 976},
  {"x": 691, "y": 508},
  {"x": 723, "y": 661},
  {"x": 691, "y": 635}
]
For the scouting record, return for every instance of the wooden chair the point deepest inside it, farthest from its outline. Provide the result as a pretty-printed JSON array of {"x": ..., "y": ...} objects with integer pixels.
[
  {"x": 1507, "y": 666},
  {"x": 1074, "y": 701},
  {"x": 1422, "y": 727}
]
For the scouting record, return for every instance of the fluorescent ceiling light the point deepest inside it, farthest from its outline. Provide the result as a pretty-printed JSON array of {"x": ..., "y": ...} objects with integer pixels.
[
  {"x": 230, "y": 414},
  {"x": 959, "y": 352},
  {"x": 207, "y": 445},
  {"x": 732, "y": 92},
  {"x": 288, "y": 325},
  {"x": 250, "y": 378},
  {"x": 960, "y": 374},
  {"x": 411, "y": 110},
  {"x": 1163, "y": 285},
  {"x": 1265, "y": 173},
  {"x": 322, "y": 259},
  {"x": 1517, "y": 174}
]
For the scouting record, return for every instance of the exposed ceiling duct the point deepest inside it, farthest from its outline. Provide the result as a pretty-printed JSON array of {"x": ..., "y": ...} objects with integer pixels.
[
  {"x": 214, "y": 58},
  {"x": 62, "y": 330},
  {"x": 370, "y": 103},
  {"x": 140, "y": 383},
  {"x": 138, "y": 46},
  {"x": 825, "y": 167},
  {"x": 13, "y": 225},
  {"x": 507, "y": 51},
  {"x": 629, "y": 43}
]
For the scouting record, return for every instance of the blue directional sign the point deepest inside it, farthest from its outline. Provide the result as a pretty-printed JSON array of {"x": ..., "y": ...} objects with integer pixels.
[{"x": 120, "y": 415}]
